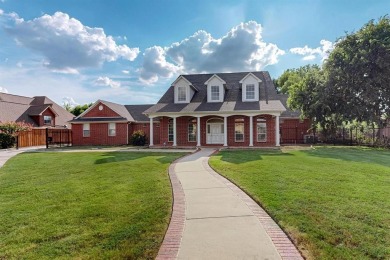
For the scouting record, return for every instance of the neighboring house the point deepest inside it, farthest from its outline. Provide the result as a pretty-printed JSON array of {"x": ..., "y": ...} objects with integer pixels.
[
  {"x": 223, "y": 109},
  {"x": 40, "y": 112},
  {"x": 108, "y": 123}
]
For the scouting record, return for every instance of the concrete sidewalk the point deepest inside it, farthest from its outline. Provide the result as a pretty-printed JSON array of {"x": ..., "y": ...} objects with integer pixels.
[
  {"x": 218, "y": 223},
  {"x": 6, "y": 154}
]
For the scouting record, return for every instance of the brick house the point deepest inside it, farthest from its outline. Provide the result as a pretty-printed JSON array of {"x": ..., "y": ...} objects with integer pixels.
[
  {"x": 108, "y": 123},
  {"x": 40, "y": 111},
  {"x": 224, "y": 109}
]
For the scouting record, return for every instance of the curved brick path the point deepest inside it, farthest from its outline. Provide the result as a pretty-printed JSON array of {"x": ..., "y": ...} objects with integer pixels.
[{"x": 213, "y": 219}]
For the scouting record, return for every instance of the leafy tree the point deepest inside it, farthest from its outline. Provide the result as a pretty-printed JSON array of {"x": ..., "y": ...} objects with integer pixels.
[
  {"x": 306, "y": 87},
  {"x": 358, "y": 73},
  {"x": 79, "y": 109}
]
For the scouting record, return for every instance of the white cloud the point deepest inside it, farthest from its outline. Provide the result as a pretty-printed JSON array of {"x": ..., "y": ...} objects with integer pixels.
[
  {"x": 107, "y": 82},
  {"x": 155, "y": 65},
  {"x": 66, "y": 43},
  {"x": 3, "y": 90},
  {"x": 125, "y": 71},
  {"x": 242, "y": 48},
  {"x": 312, "y": 53},
  {"x": 69, "y": 101}
]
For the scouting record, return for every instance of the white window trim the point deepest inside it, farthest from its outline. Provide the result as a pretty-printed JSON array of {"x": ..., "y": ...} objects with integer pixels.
[
  {"x": 177, "y": 94},
  {"x": 220, "y": 89},
  {"x": 246, "y": 92},
  {"x": 173, "y": 132},
  {"x": 257, "y": 132},
  {"x": 86, "y": 127},
  {"x": 110, "y": 128},
  {"x": 243, "y": 132},
  {"x": 51, "y": 120},
  {"x": 196, "y": 130}
]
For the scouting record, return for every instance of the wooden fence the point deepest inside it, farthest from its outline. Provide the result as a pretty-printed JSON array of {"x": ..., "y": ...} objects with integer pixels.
[{"x": 47, "y": 137}]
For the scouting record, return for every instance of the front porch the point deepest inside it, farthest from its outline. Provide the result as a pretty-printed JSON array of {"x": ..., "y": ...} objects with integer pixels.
[{"x": 237, "y": 130}]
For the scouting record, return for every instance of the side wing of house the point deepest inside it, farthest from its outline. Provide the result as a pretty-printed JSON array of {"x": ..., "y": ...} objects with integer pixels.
[{"x": 104, "y": 123}]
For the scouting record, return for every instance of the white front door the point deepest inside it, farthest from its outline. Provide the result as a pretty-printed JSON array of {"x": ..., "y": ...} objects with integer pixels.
[{"x": 214, "y": 133}]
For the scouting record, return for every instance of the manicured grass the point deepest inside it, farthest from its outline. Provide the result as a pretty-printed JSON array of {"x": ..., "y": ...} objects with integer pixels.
[
  {"x": 333, "y": 201},
  {"x": 97, "y": 205}
]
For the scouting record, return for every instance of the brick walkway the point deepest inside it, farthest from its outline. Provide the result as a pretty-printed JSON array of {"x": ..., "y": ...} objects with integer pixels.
[{"x": 214, "y": 219}]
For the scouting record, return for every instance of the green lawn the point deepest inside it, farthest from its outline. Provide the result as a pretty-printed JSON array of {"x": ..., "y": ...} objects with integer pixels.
[
  {"x": 84, "y": 205},
  {"x": 333, "y": 201}
]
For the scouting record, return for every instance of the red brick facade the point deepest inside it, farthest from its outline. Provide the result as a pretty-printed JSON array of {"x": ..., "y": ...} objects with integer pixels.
[
  {"x": 99, "y": 134},
  {"x": 145, "y": 127},
  {"x": 105, "y": 112},
  {"x": 39, "y": 120},
  {"x": 182, "y": 126}
]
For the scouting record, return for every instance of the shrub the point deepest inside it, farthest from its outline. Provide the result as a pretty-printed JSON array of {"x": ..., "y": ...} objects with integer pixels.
[
  {"x": 6, "y": 141},
  {"x": 8, "y": 132},
  {"x": 138, "y": 138}
]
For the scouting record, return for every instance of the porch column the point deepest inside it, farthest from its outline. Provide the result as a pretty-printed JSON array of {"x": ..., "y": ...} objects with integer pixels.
[
  {"x": 198, "y": 131},
  {"x": 277, "y": 131},
  {"x": 250, "y": 130},
  {"x": 151, "y": 131},
  {"x": 225, "y": 131},
  {"x": 174, "y": 132}
]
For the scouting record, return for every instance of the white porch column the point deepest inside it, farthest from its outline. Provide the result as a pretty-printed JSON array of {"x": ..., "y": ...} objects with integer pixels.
[
  {"x": 225, "y": 131},
  {"x": 174, "y": 132},
  {"x": 151, "y": 132},
  {"x": 277, "y": 131},
  {"x": 198, "y": 131},
  {"x": 250, "y": 130}
]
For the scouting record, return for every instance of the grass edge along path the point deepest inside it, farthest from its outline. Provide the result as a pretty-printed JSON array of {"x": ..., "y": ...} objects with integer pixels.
[
  {"x": 85, "y": 205},
  {"x": 332, "y": 201}
]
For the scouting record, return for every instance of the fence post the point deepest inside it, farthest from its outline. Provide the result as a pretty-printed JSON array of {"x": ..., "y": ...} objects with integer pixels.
[
  {"x": 47, "y": 138},
  {"x": 351, "y": 135},
  {"x": 60, "y": 137},
  {"x": 296, "y": 134},
  {"x": 17, "y": 142}
]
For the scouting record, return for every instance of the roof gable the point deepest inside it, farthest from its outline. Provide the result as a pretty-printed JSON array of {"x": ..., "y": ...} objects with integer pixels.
[
  {"x": 215, "y": 76},
  {"x": 248, "y": 75}
]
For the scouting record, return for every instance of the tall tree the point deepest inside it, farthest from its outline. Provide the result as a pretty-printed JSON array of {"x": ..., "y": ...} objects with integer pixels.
[
  {"x": 306, "y": 87},
  {"x": 358, "y": 73}
]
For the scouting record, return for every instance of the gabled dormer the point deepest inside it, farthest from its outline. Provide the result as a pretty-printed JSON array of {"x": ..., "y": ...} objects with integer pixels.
[
  {"x": 250, "y": 88},
  {"x": 183, "y": 90},
  {"x": 215, "y": 89}
]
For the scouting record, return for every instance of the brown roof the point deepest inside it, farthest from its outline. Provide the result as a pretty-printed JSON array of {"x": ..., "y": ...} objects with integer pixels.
[
  {"x": 20, "y": 109},
  {"x": 129, "y": 113}
]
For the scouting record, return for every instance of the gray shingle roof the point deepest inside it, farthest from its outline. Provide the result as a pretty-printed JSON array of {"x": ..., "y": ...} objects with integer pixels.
[
  {"x": 232, "y": 100},
  {"x": 19, "y": 108},
  {"x": 288, "y": 113},
  {"x": 137, "y": 112}
]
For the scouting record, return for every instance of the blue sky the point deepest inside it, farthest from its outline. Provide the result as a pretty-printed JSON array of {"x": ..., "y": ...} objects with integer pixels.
[{"x": 131, "y": 51}]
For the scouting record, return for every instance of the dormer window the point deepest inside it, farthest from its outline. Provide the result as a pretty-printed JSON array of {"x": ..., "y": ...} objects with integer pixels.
[
  {"x": 214, "y": 93},
  {"x": 215, "y": 89},
  {"x": 250, "y": 92},
  {"x": 250, "y": 88},
  {"x": 182, "y": 94},
  {"x": 183, "y": 89}
]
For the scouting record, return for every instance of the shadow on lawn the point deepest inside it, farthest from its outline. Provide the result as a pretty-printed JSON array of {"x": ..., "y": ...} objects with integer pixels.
[
  {"x": 244, "y": 156},
  {"x": 111, "y": 157},
  {"x": 353, "y": 154}
]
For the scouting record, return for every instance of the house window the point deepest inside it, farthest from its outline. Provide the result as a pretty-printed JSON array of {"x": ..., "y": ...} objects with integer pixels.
[
  {"x": 111, "y": 129},
  {"x": 192, "y": 130},
  {"x": 214, "y": 93},
  {"x": 86, "y": 131},
  {"x": 261, "y": 130},
  {"x": 170, "y": 130},
  {"x": 47, "y": 120},
  {"x": 250, "y": 91},
  {"x": 239, "y": 130},
  {"x": 181, "y": 94}
]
